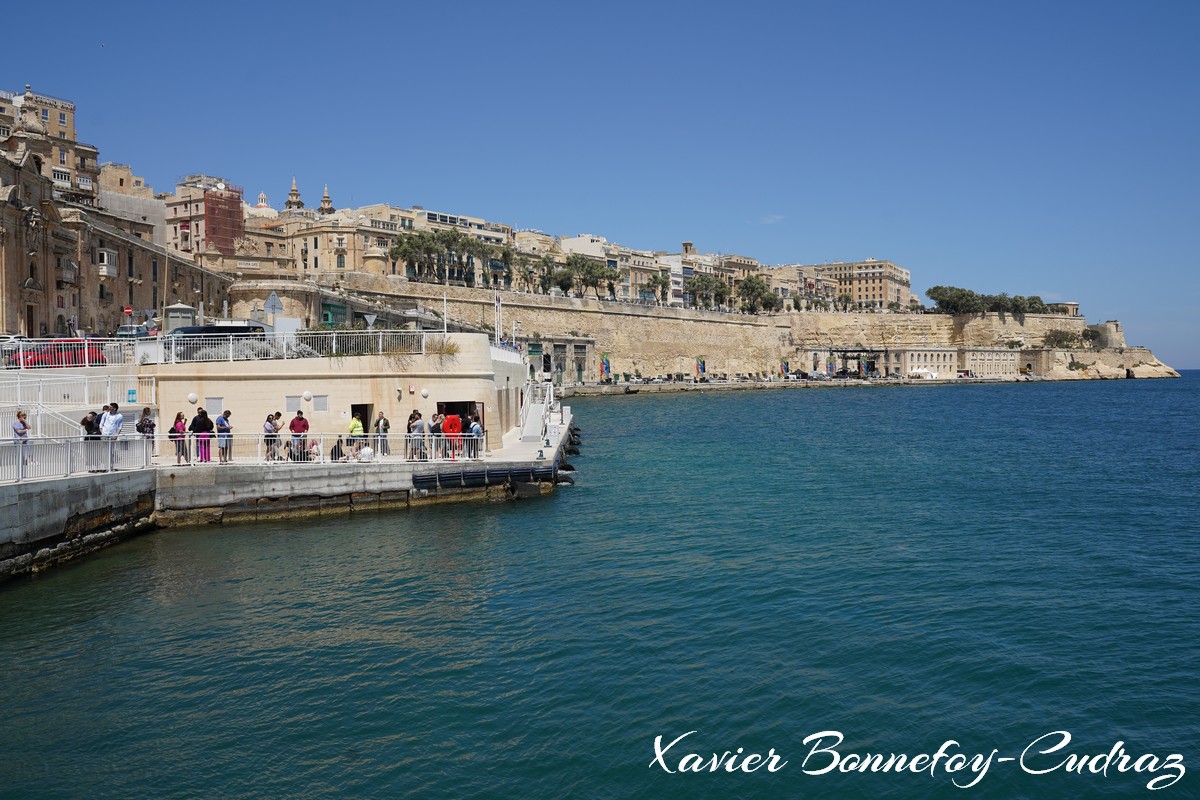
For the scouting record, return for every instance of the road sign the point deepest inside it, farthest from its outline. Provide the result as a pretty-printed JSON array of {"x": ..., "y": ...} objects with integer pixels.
[
  {"x": 370, "y": 318},
  {"x": 128, "y": 311},
  {"x": 273, "y": 304}
]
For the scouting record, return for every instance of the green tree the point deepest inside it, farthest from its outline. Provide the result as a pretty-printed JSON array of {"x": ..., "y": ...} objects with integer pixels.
[
  {"x": 545, "y": 271},
  {"x": 590, "y": 273},
  {"x": 1059, "y": 339},
  {"x": 753, "y": 291},
  {"x": 564, "y": 279}
]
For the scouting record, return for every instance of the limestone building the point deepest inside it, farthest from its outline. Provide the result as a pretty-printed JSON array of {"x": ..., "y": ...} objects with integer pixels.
[
  {"x": 203, "y": 214},
  {"x": 69, "y": 267},
  {"x": 869, "y": 283},
  {"x": 71, "y": 165}
]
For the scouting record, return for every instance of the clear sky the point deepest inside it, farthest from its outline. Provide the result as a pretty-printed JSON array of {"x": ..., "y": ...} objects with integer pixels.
[{"x": 1047, "y": 148}]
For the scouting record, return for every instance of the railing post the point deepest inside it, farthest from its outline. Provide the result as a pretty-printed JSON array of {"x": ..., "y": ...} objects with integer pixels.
[{"x": 70, "y": 457}]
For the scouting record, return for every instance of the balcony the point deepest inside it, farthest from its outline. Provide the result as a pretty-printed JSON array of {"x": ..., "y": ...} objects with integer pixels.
[
  {"x": 106, "y": 263},
  {"x": 68, "y": 273}
]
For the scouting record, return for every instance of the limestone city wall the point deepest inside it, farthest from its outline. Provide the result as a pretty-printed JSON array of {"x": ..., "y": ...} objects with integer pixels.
[{"x": 658, "y": 340}]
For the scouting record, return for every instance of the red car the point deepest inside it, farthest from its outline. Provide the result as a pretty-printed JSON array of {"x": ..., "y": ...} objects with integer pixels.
[{"x": 60, "y": 353}]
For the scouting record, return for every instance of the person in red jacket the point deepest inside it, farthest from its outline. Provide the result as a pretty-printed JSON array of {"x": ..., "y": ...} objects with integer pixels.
[
  {"x": 452, "y": 428},
  {"x": 299, "y": 428}
]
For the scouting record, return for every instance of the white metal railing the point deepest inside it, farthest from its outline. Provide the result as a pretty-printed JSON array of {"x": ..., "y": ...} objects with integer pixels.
[
  {"x": 317, "y": 448},
  {"x": 77, "y": 391},
  {"x": 44, "y": 421},
  {"x": 58, "y": 457},
  {"x": 95, "y": 352}
]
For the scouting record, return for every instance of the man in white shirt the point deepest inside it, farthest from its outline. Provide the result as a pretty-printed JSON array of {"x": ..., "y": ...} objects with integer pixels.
[{"x": 112, "y": 422}]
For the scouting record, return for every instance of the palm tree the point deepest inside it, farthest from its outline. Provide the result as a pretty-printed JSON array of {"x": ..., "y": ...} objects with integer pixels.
[
  {"x": 546, "y": 268},
  {"x": 660, "y": 285},
  {"x": 524, "y": 272}
]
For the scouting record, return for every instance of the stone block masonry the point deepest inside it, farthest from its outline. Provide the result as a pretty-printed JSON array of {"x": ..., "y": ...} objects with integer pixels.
[
  {"x": 660, "y": 340},
  {"x": 47, "y": 522}
]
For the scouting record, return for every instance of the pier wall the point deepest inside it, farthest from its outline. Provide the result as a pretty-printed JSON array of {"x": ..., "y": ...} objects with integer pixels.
[{"x": 50, "y": 521}]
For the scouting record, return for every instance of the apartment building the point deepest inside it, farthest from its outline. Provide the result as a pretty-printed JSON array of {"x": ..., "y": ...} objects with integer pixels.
[
  {"x": 869, "y": 283},
  {"x": 204, "y": 213},
  {"x": 495, "y": 233}
]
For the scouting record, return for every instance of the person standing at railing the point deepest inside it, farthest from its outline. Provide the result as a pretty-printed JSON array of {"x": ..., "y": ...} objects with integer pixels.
[
  {"x": 91, "y": 440},
  {"x": 178, "y": 434},
  {"x": 452, "y": 428},
  {"x": 224, "y": 438},
  {"x": 299, "y": 428},
  {"x": 437, "y": 445},
  {"x": 356, "y": 433},
  {"x": 145, "y": 426},
  {"x": 382, "y": 426},
  {"x": 476, "y": 437},
  {"x": 270, "y": 438},
  {"x": 111, "y": 425},
  {"x": 202, "y": 429},
  {"x": 21, "y": 437},
  {"x": 416, "y": 438}
]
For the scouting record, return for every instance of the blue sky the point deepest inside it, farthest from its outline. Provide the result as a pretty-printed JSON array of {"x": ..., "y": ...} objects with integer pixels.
[{"x": 1032, "y": 148}]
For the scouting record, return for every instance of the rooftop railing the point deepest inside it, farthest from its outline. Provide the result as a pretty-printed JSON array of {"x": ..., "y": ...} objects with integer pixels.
[{"x": 177, "y": 348}]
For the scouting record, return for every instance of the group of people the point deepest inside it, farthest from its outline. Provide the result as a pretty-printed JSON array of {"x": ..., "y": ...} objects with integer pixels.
[
  {"x": 203, "y": 429},
  {"x": 107, "y": 425},
  {"x": 448, "y": 439}
]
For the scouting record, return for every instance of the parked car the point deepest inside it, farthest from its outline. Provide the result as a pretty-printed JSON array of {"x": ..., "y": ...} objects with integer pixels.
[
  {"x": 60, "y": 353},
  {"x": 12, "y": 342},
  {"x": 132, "y": 332}
]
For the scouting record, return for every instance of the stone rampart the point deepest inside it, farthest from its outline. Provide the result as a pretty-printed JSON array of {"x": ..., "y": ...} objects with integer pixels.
[{"x": 658, "y": 340}]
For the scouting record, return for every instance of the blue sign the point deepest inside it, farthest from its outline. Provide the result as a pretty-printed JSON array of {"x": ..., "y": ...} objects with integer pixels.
[{"x": 131, "y": 396}]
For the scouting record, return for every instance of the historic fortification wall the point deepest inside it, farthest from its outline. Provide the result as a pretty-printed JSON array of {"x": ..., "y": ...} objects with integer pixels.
[
  {"x": 653, "y": 340},
  {"x": 663, "y": 340}
]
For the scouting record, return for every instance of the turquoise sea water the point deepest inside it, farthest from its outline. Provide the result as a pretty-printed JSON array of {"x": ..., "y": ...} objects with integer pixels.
[{"x": 906, "y": 566}]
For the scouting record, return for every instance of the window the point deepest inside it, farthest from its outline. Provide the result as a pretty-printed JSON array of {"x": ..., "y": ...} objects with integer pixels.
[
  {"x": 341, "y": 261},
  {"x": 45, "y": 115},
  {"x": 62, "y": 176},
  {"x": 154, "y": 270},
  {"x": 291, "y": 403},
  {"x": 320, "y": 402},
  {"x": 316, "y": 263},
  {"x": 214, "y": 405},
  {"x": 62, "y": 156},
  {"x": 62, "y": 118}
]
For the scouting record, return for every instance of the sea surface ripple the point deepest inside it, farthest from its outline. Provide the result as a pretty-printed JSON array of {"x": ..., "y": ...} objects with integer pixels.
[{"x": 906, "y": 566}]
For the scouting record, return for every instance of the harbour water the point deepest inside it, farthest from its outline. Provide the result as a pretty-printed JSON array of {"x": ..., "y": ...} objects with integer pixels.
[{"x": 985, "y": 564}]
